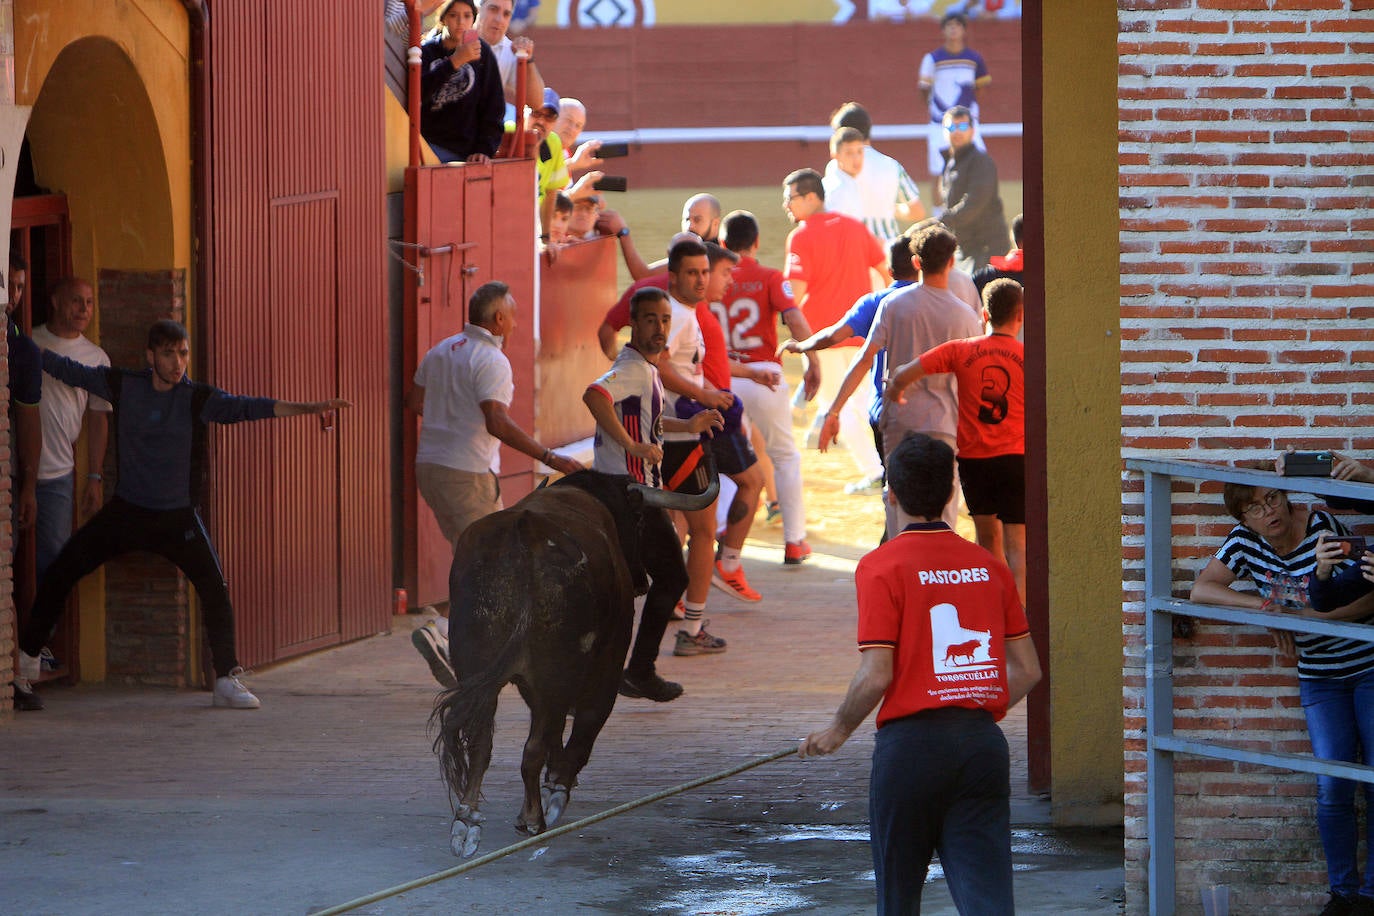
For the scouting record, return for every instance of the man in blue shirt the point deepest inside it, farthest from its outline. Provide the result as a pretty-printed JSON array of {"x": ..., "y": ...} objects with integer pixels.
[
  {"x": 857, "y": 322},
  {"x": 161, "y": 422}
]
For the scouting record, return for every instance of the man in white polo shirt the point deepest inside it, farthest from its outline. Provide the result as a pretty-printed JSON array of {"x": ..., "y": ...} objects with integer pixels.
[{"x": 463, "y": 389}]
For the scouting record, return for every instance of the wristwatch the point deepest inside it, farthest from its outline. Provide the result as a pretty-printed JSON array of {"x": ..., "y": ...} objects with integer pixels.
[{"x": 624, "y": 231}]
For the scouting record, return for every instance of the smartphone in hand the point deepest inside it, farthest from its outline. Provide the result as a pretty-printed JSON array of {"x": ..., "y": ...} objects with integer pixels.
[{"x": 1351, "y": 545}]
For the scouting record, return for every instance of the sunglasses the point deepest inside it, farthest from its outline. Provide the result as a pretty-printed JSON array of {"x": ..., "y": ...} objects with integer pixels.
[{"x": 960, "y": 126}]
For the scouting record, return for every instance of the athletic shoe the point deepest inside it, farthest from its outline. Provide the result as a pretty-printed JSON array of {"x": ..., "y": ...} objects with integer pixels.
[
  {"x": 30, "y": 667},
  {"x": 433, "y": 648},
  {"x": 734, "y": 583},
  {"x": 864, "y": 485},
  {"x": 774, "y": 516},
  {"x": 230, "y": 692},
  {"x": 701, "y": 644},
  {"x": 795, "y": 553},
  {"x": 26, "y": 699},
  {"x": 649, "y": 687},
  {"x": 1338, "y": 906}
]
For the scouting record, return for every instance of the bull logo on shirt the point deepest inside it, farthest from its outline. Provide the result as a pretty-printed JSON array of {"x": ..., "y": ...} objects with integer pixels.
[{"x": 954, "y": 647}]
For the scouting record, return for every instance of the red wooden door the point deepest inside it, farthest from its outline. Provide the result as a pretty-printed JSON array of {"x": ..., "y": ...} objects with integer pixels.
[
  {"x": 473, "y": 224},
  {"x": 304, "y": 367}
]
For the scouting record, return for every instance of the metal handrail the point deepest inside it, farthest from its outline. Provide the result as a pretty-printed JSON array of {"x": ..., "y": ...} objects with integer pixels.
[{"x": 1160, "y": 609}]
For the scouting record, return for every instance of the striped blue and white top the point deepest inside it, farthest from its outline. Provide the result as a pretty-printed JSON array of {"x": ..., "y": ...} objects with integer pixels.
[{"x": 1284, "y": 580}]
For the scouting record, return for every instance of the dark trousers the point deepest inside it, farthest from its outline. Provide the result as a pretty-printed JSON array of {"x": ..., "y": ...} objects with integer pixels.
[
  {"x": 121, "y": 527},
  {"x": 661, "y": 553},
  {"x": 941, "y": 782}
]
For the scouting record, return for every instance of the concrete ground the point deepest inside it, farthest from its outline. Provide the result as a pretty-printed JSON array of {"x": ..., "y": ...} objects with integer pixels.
[{"x": 150, "y": 801}]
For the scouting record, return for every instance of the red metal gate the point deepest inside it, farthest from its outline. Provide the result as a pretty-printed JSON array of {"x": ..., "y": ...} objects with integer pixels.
[
  {"x": 473, "y": 224},
  {"x": 297, "y": 312}
]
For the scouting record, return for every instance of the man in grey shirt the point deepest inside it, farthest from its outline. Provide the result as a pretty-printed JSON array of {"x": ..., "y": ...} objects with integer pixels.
[{"x": 910, "y": 322}]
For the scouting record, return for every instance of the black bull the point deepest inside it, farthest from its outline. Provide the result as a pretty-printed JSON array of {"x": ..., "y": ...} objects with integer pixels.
[{"x": 542, "y": 594}]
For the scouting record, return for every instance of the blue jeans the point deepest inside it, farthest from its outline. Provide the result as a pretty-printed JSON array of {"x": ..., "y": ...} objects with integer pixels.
[
  {"x": 54, "y": 525},
  {"x": 1340, "y": 722},
  {"x": 941, "y": 782}
]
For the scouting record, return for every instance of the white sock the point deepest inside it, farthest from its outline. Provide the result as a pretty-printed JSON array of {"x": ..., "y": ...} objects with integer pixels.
[
  {"x": 441, "y": 624},
  {"x": 729, "y": 559},
  {"x": 694, "y": 611}
]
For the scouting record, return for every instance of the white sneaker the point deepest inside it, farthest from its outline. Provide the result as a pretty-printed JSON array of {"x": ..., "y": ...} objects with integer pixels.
[
  {"x": 230, "y": 692},
  {"x": 30, "y": 666}
]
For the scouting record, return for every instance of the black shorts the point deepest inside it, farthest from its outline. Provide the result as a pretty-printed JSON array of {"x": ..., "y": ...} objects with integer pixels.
[
  {"x": 732, "y": 451},
  {"x": 684, "y": 467},
  {"x": 995, "y": 486}
]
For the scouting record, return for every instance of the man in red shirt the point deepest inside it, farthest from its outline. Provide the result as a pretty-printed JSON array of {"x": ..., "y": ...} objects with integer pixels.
[
  {"x": 946, "y": 648},
  {"x": 757, "y": 298},
  {"x": 829, "y": 256},
  {"x": 991, "y": 436}
]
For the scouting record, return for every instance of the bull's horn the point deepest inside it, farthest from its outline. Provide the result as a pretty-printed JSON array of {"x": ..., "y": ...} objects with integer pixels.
[{"x": 683, "y": 502}]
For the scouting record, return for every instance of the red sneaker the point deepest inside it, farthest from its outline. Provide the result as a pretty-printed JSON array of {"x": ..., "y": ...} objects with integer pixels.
[
  {"x": 734, "y": 583},
  {"x": 794, "y": 554}
]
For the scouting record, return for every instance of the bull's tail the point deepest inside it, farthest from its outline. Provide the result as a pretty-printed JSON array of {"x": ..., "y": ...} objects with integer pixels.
[{"x": 465, "y": 715}]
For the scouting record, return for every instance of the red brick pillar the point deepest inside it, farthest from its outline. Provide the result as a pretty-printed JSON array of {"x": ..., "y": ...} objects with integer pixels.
[
  {"x": 1245, "y": 153},
  {"x": 146, "y": 599}
]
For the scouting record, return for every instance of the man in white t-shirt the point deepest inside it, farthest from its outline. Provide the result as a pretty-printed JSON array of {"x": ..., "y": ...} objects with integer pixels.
[
  {"x": 865, "y": 184},
  {"x": 684, "y": 464},
  {"x": 493, "y": 21},
  {"x": 463, "y": 390},
  {"x": 64, "y": 411}
]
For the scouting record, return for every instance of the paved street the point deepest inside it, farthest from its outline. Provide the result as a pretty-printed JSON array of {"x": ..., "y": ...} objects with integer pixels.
[{"x": 150, "y": 801}]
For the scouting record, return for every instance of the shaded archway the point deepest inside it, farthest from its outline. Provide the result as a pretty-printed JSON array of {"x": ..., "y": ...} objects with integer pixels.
[{"x": 96, "y": 138}]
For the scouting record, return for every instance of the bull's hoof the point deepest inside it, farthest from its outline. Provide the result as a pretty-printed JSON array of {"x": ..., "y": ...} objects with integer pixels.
[
  {"x": 465, "y": 836},
  {"x": 525, "y": 829},
  {"x": 555, "y": 800}
]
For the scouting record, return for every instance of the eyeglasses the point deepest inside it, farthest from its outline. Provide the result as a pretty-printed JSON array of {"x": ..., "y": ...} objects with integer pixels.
[
  {"x": 960, "y": 126},
  {"x": 791, "y": 197},
  {"x": 1271, "y": 500}
]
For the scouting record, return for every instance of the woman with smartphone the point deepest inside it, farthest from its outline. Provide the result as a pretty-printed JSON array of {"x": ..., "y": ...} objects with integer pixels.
[
  {"x": 1283, "y": 549},
  {"x": 463, "y": 108}
]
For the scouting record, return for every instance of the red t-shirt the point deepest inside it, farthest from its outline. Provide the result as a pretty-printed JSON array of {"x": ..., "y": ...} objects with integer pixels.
[
  {"x": 832, "y": 253},
  {"x": 947, "y": 608},
  {"x": 619, "y": 315},
  {"x": 715, "y": 365},
  {"x": 749, "y": 313},
  {"x": 992, "y": 392}
]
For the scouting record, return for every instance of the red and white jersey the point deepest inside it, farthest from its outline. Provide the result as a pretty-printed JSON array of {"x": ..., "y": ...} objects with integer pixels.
[
  {"x": 633, "y": 388},
  {"x": 749, "y": 313}
]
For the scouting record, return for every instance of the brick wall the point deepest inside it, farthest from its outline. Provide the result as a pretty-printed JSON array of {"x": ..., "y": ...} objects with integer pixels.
[
  {"x": 1247, "y": 317},
  {"x": 146, "y": 598},
  {"x": 8, "y": 636}
]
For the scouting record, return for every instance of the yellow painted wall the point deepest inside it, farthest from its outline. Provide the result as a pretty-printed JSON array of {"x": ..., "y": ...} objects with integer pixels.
[
  {"x": 110, "y": 128},
  {"x": 716, "y": 12},
  {"x": 1083, "y": 370},
  {"x": 398, "y": 145}
]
